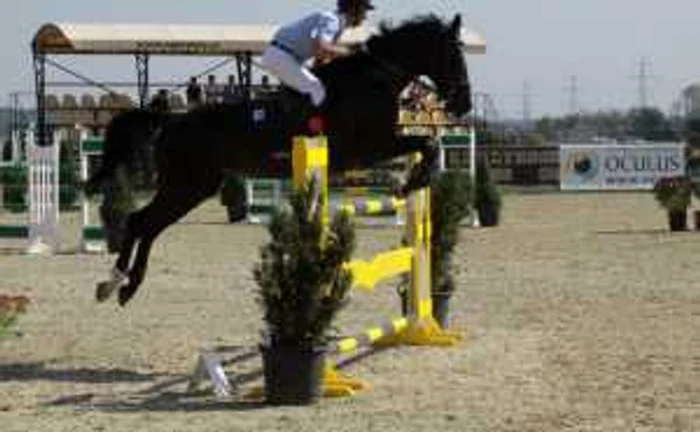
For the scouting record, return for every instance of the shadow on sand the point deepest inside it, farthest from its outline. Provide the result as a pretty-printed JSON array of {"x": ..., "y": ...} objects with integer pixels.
[{"x": 167, "y": 393}]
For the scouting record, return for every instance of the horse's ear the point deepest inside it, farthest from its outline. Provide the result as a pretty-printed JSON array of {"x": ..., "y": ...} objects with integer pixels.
[
  {"x": 384, "y": 27},
  {"x": 457, "y": 25}
]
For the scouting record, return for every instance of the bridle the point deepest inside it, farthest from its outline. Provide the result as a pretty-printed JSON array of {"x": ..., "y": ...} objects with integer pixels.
[
  {"x": 395, "y": 71},
  {"x": 399, "y": 73}
]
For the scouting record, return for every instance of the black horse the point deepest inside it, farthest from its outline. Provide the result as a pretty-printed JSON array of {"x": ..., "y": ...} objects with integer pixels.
[{"x": 192, "y": 151}]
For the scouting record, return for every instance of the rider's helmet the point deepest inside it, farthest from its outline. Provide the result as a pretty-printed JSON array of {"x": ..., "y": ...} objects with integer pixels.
[{"x": 346, "y": 5}]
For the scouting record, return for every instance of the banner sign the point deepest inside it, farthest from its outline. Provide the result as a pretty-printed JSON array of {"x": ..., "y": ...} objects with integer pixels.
[{"x": 619, "y": 167}]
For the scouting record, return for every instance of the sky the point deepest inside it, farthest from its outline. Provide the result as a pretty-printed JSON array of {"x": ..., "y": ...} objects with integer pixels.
[{"x": 534, "y": 47}]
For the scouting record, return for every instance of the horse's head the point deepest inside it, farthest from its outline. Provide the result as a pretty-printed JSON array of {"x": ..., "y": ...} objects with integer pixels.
[
  {"x": 428, "y": 46},
  {"x": 450, "y": 70}
]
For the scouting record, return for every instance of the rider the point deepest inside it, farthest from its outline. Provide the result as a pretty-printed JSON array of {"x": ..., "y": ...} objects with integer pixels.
[{"x": 314, "y": 36}]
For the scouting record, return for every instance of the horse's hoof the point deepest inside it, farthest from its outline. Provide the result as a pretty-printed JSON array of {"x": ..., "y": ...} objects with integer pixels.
[
  {"x": 125, "y": 294},
  {"x": 104, "y": 291}
]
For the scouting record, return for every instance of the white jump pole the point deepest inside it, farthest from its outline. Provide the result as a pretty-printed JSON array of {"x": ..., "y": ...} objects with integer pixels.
[
  {"x": 84, "y": 163},
  {"x": 15, "y": 147},
  {"x": 472, "y": 172},
  {"x": 43, "y": 179}
]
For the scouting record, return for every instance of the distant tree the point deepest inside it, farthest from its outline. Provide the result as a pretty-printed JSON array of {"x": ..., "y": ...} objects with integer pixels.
[
  {"x": 485, "y": 136},
  {"x": 691, "y": 100},
  {"x": 545, "y": 127},
  {"x": 650, "y": 124},
  {"x": 6, "y": 153},
  {"x": 692, "y": 131},
  {"x": 535, "y": 139}
]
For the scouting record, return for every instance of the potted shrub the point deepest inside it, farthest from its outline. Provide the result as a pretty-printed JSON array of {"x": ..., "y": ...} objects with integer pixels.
[
  {"x": 68, "y": 176},
  {"x": 302, "y": 285},
  {"x": 674, "y": 194},
  {"x": 233, "y": 197},
  {"x": 487, "y": 197},
  {"x": 450, "y": 204}
]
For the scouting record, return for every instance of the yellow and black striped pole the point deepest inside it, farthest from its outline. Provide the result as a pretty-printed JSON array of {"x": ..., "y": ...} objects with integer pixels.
[{"x": 368, "y": 207}]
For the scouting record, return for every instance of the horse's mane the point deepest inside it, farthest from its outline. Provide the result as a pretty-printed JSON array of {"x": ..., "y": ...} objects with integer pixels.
[
  {"x": 390, "y": 38},
  {"x": 421, "y": 24}
]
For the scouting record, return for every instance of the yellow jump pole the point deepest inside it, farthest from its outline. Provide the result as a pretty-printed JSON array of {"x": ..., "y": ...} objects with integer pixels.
[
  {"x": 422, "y": 328},
  {"x": 310, "y": 159}
]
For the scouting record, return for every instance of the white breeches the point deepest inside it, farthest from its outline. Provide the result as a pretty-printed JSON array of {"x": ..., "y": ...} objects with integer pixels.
[{"x": 285, "y": 67}]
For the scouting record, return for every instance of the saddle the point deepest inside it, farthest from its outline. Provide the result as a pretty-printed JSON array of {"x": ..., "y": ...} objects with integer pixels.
[{"x": 283, "y": 110}]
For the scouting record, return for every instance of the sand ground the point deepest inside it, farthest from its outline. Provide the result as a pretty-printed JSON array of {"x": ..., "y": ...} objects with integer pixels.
[{"x": 582, "y": 314}]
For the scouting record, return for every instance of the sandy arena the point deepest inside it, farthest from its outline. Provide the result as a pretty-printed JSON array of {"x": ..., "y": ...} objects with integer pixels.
[{"x": 582, "y": 314}]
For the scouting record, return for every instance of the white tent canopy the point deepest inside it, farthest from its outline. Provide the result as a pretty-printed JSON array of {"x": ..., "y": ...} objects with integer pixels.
[{"x": 180, "y": 39}]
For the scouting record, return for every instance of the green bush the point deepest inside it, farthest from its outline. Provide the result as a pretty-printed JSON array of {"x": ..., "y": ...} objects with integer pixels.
[
  {"x": 673, "y": 193},
  {"x": 451, "y": 201},
  {"x": 6, "y": 150},
  {"x": 14, "y": 181},
  {"x": 488, "y": 200},
  {"x": 233, "y": 190},
  {"x": 301, "y": 277},
  {"x": 233, "y": 197},
  {"x": 68, "y": 190}
]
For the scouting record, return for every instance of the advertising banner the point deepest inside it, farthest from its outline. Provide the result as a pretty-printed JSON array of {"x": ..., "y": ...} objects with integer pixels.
[{"x": 619, "y": 167}]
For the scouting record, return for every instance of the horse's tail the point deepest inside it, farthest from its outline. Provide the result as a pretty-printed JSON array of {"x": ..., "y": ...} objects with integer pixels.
[{"x": 127, "y": 141}]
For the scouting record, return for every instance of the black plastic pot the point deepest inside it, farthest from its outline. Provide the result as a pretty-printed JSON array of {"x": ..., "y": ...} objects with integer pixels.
[
  {"x": 441, "y": 308},
  {"x": 233, "y": 197},
  {"x": 678, "y": 220},
  {"x": 293, "y": 374},
  {"x": 236, "y": 213},
  {"x": 488, "y": 216}
]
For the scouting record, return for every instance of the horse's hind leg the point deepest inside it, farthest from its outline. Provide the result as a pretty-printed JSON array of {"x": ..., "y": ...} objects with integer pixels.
[{"x": 167, "y": 207}]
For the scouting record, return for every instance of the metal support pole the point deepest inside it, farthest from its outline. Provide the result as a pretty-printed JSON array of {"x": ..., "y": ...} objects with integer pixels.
[
  {"x": 40, "y": 90},
  {"x": 244, "y": 66},
  {"x": 142, "y": 79},
  {"x": 472, "y": 169}
]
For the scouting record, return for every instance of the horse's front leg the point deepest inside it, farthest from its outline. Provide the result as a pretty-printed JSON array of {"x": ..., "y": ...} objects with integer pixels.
[{"x": 421, "y": 174}]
